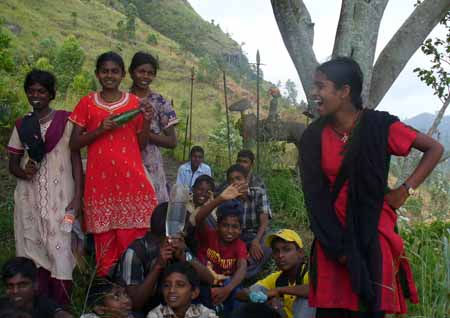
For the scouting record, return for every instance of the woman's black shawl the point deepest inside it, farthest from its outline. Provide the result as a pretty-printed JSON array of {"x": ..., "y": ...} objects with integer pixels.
[
  {"x": 30, "y": 136},
  {"x": 365, "y": 166}
]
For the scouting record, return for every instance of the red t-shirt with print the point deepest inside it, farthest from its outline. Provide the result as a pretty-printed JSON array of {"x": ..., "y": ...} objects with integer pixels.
[{"x": 223, "y": 257}]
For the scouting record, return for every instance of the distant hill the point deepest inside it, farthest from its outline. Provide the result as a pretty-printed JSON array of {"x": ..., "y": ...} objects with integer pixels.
[
  {"x": 177, "y": 20},
  {"x": 423, "y": 122}
]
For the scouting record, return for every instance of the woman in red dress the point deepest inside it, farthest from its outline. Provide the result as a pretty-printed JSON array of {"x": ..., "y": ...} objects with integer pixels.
[
  {"x": 358, "y": 262},
  {"x": 118, "y": 197}
]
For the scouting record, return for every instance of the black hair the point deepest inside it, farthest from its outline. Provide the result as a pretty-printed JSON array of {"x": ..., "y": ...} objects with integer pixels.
[
  {"x": 237, "y": 168},
  {"x": 246, "y": 153},
  {"x": 158, "y": 219},
  {"x": 100, "y": 287},
  {"x": 207, "y": 179},
  {"x": 183, "y": 268},
  {"x": 230, "y": 208},
  {"x": 257, "y": 310},
  {"x": 19, "y": 265},
  {"x": 141, "y": 58},
  {"x": 342, "y": 71},
  {"x": 44, "y": 78},
  {"x": 109, "y": 56},
  {"x": 196, "y": 149}
]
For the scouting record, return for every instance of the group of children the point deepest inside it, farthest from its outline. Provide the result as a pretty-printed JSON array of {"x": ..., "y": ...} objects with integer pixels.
[{"x": 121, "y": 200}]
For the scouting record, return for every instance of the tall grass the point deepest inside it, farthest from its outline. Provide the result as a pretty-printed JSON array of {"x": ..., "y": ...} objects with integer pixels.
[{"x": 428, "y": 249}]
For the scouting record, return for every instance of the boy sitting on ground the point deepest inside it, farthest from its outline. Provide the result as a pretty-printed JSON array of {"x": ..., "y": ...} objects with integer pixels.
[
  {"x": 19, "y": 275},
  {"x": 202, "y": 193},
  {"x": 289, "y": 283},
  {"x": 107, "y": 299},
  {"x": 224, "y": 253},
  {"x": 255, "y": 217},
  {"x": 180, "y": 286},
  {"x": 142, "y": 264}
]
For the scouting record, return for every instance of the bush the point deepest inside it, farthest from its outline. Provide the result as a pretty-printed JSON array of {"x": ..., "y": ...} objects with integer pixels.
[
  {"x": 217, "y": 148},
  {"x": 44, "y": 64},
  {"x": 82, "y": 84},
  {"x": 69, "y": 60},
  {"x": 152, "y": 39},
  {"x": 286, "y": 197}
]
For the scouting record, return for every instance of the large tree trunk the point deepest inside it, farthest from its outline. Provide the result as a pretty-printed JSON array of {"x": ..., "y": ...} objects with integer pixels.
[
  {"x": 357, "y": 30},
  {"x": 356, "y": 36}
]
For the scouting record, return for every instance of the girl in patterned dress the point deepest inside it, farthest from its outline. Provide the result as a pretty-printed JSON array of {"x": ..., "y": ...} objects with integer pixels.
[
  {"x": 143, "y": 69},
  {"x": 118, "y": 196},
  {"x": 49, "y": 182}
]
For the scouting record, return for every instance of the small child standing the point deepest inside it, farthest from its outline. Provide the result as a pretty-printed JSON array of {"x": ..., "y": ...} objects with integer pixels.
[
  {"x": 287, "y": 289},
  {"x": 180, "y": 286}
]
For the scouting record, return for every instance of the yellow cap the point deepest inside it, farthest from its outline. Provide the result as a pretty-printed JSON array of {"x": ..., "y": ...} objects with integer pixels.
[{"x": 287, "y": 235}]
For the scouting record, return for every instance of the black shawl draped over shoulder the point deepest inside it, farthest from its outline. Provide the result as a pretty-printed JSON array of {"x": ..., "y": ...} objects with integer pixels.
[{"x": 365, "y": 166}]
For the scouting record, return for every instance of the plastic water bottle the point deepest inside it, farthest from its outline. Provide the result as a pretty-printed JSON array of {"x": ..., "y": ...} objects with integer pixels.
[
  {"x": 176, "y": 212},
  {"x": 67, "y": 222}
]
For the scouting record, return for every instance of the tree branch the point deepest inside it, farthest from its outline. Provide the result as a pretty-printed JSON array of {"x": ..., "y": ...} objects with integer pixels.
[
  {"x": 437, "y": 120},
  {"x": 445, "y": 157},
  {"x": 402, "y": 46},
  {"x": 357, "y": 34},
  {"x": 297, "y": 30},
  {"x": 344, "y": 30}
]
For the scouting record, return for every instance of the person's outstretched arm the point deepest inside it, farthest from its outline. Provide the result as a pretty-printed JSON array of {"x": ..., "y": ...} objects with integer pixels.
[{"x": 231, "y": 192}]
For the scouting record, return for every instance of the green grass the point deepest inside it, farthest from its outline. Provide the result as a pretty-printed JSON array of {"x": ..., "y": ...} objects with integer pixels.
[{"x": 427, "y": 246}]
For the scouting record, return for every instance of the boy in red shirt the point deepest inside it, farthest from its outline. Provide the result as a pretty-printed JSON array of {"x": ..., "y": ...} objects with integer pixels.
[{"x": 224, "y": 253}]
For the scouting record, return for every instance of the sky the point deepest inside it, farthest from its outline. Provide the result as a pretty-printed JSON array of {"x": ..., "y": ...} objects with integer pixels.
[{"x": 253, "y": 22}]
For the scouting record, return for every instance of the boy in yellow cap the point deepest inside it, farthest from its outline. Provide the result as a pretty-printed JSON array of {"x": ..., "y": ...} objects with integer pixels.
[{"x": 287, "y": 289}]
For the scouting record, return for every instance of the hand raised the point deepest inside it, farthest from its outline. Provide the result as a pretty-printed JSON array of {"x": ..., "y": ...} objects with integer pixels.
[{"x": 233, "y": 191}]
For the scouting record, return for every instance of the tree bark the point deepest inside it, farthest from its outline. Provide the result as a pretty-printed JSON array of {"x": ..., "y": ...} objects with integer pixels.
[
  {"x": 357, "y": 34},
  {"x": 403, "y": 45},
  {"x": 437, "y": 120},
  {"x": 297, "y": 31}
]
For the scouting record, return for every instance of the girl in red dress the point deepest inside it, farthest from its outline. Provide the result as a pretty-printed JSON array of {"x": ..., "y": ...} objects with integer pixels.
[
  {"x": 358, "y": 262},
  {"x": 118, "y": 196}
]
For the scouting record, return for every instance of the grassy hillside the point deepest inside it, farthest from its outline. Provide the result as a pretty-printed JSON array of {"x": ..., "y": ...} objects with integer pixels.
[
  {"x": 94, "y": 24},
  {"x": 177, "y": 20}
]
